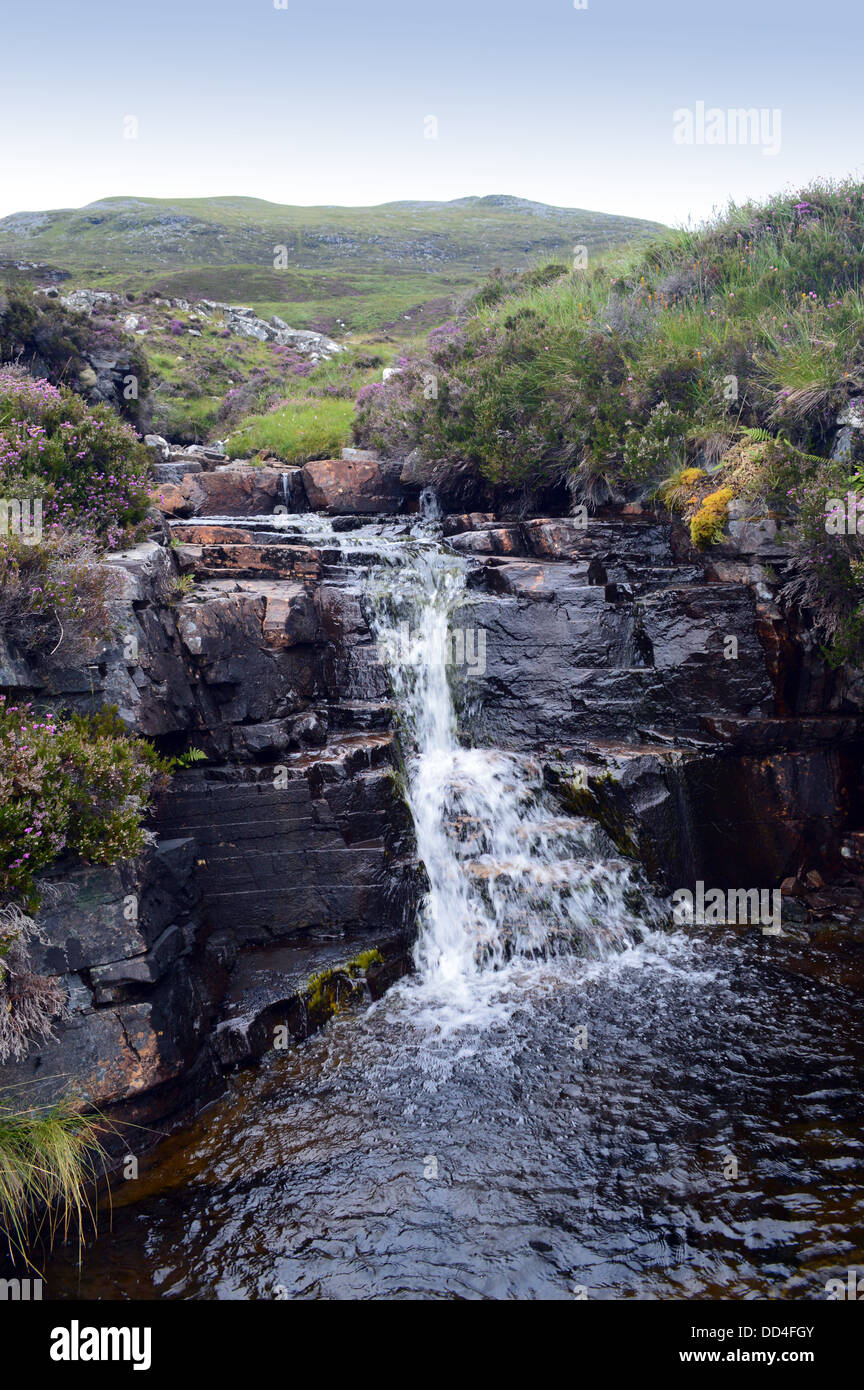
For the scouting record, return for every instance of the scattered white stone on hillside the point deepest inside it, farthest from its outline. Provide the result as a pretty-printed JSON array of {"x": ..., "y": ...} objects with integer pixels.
[
  {"x": 236, "y": 318},
  {"x": 85, "y": 301},
  {"x": 240, "y": 319},
  {"x": 852, "y": 414}
]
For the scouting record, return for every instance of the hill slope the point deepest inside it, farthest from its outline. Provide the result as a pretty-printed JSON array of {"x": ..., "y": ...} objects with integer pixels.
[
  {"x": 393, "y": 267},
  {"x": 148, "y": 234},
  {"x": 720, "y": 370}
]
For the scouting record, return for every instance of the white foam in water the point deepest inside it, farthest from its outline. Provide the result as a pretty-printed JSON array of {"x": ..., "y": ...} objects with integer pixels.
[
  {"x": 519, "y": 893},
  {"x": 521, "y": 896}
]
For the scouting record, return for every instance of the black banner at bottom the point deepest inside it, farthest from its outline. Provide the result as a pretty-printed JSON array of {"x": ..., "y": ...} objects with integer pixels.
[{"x": 220, "y": 1339}]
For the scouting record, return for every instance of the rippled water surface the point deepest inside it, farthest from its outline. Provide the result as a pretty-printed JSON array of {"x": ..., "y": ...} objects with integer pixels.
[{"x": 379, "y": 1160}]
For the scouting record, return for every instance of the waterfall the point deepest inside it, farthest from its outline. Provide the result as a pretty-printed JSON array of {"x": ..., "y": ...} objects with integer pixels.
[{"x": 512, "y": 880}]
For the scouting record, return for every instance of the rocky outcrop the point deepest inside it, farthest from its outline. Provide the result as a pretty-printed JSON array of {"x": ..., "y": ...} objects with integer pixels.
[
  {"x": 668, "y": 694},
  {"x": 662, "y": 689},
  {"x": 122, "y": 943},
  {"x": 245, "y": 323},
  {"x": 293, "y": 835},
  {"x": 232, "y": 318}
]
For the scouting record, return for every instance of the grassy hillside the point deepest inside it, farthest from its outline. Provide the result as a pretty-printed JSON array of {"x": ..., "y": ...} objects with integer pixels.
[
  {"x": 366, "y": 268},
  {"x": 706, "y": 368},
  {"x": 149, "y": 233}
]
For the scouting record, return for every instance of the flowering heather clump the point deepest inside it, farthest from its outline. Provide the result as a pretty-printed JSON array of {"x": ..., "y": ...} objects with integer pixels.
[
  {"x": 90, "y": 468},
  {"x": 78, "y": 785},
  {"x": 391, "y": 416},
  {"x": 265, "y": 390},
  {"x": 26, "y": 395},
  {"x": 53, "y": 596},
  {"x": 445, "y": 341},
  {"x": 28, "y": 1003}
]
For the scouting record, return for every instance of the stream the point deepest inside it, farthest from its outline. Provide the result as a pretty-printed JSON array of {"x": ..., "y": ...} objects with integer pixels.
[{"x": 566, "y": 1099}]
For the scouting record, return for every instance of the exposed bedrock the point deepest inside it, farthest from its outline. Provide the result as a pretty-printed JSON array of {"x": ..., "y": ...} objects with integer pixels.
[
  {"x": 667, "y": 693},
  {"x": 292, "y": 838}
]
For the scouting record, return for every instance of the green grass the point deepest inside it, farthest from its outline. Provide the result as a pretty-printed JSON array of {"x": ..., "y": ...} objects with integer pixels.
[
  {"x": 729, "y": 349},
  {"x": 392, "y": 268},
  {"x": 307, "y": 429},
  {"x": 340, "y": 300},
  {"x": 129, "y": 234},
  {"x": 49, "y": 1159},
  {"x": 544, "y": 377}
]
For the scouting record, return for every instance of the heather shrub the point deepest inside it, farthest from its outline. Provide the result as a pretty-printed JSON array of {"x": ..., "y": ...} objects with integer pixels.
[
  {"x": 77, "y": 785},
  {"x": 92, "y": 465},
  {"x": 29, "y": 1003},
  {"x": 54, "y": 596},
  {"x": 42, "y": 334}
]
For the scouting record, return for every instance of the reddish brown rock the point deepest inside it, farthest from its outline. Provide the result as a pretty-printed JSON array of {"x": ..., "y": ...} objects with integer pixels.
[
  {"x": 496, "y": 540},
  {"x": 212, "y": 535},
  {"x": 345, "y": 486},
  {"x": 276, "y": 561},
  {"x": 234, "y": 490},
  {"x": 557, "y": 538},
  {"x": 290, "y": 616},
  {"x": 467, "y": 521},
  {"x": 171, "y": 499}
]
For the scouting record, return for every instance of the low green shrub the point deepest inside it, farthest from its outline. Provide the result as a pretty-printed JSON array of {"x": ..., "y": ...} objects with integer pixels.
[{"x": 77, "y": 785}]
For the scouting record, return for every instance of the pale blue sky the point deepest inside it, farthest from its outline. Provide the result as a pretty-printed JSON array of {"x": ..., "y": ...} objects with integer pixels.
[{"x": 324, "y": 101}]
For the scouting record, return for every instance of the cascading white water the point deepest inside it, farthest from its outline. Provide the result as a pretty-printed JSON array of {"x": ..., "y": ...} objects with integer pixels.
[
  {"x": 511, "y": 879},
  {"x": 513, "y": 882}
]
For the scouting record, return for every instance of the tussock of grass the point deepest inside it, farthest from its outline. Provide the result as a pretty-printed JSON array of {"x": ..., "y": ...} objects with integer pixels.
[{"x": 49, "y": 1159}]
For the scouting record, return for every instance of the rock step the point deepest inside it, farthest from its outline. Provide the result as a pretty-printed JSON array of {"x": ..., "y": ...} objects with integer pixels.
[
  {"x": 780, "y": 735},
  {"x": 361, "y": 715},
  {"x": 238, "y": 835},
  {"x": 288, "y": 909},
  {"x": 297, "y": 987},
  {"x": 282, "y": 788},
  {"x": 175, "y": 472},
  {"x": 276, "y": 561},
  {"x": 279, "y": 872}
]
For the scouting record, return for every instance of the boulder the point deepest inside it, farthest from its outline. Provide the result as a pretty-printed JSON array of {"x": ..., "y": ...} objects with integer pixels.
[
  {"x": 339, "y": 486},
  {"x": 231, "y": 490}
]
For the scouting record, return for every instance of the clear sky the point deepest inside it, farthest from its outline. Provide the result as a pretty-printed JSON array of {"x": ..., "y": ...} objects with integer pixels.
[{"x": 326, "y": 101}]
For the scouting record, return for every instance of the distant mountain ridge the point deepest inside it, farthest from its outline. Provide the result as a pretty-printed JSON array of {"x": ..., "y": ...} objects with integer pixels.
[{"x": 158, "y": 234}]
